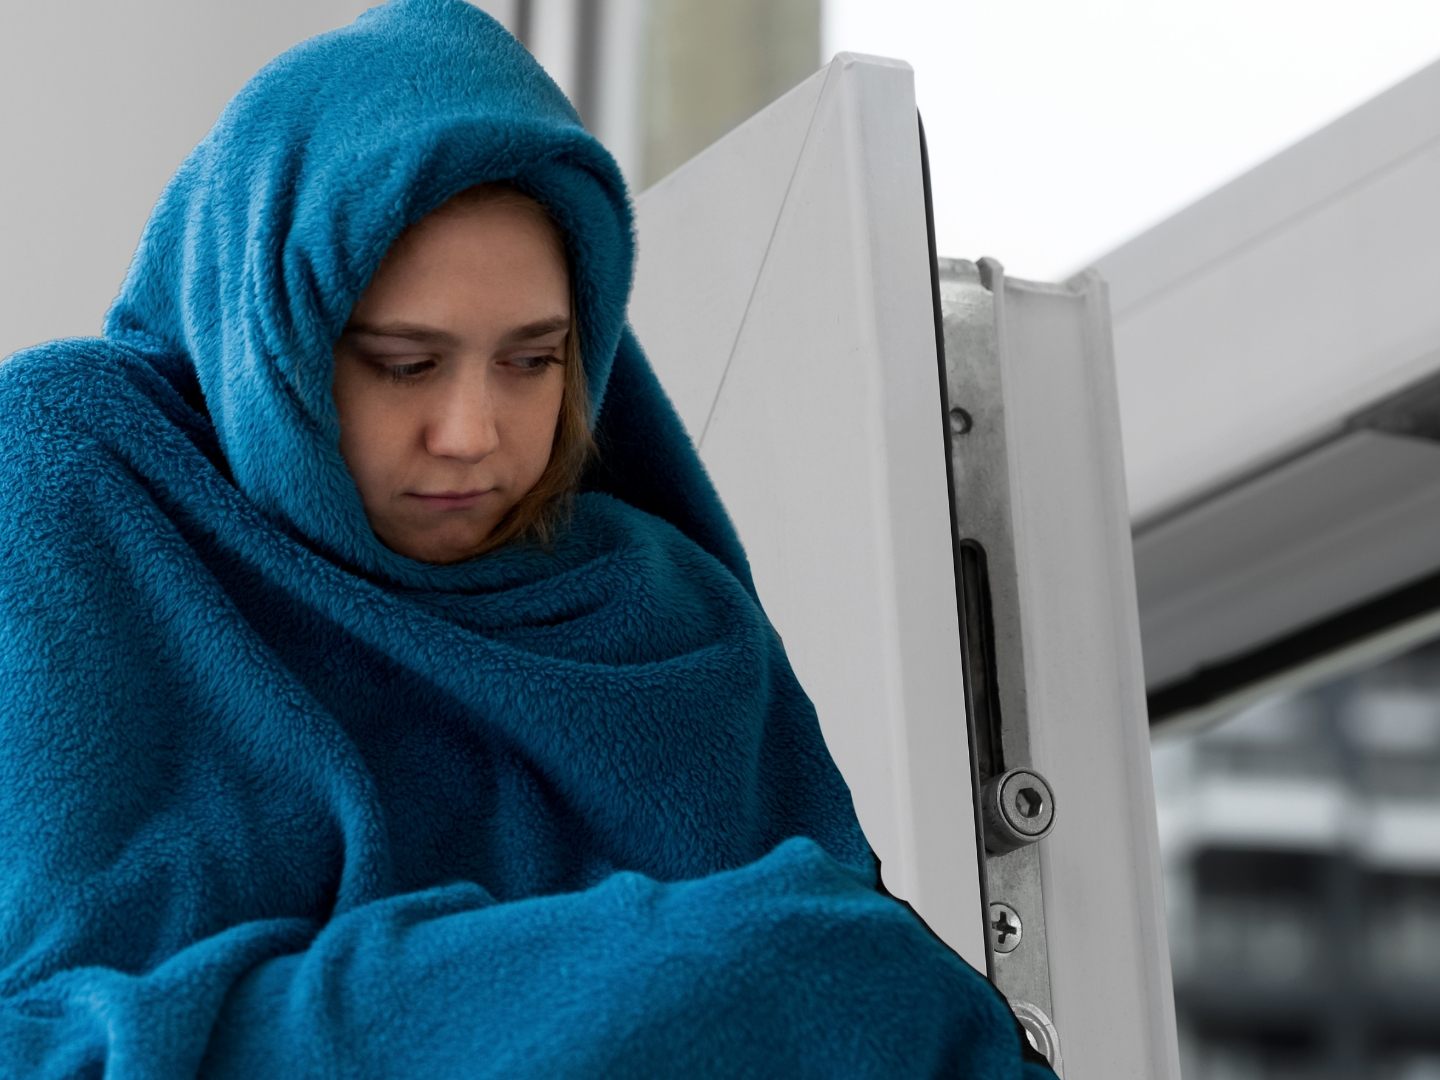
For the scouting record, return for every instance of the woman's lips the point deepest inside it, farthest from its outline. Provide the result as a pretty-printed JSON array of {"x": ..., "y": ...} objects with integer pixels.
[{"x": 452, "y": 500}]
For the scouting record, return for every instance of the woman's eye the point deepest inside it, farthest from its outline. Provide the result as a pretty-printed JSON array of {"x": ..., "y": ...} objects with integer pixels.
[
  {"x": 404, "y": 372},
  {"x": 533, "y": 364}
]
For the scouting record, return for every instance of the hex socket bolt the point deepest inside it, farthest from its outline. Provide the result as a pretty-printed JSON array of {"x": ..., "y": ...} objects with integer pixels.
[{"x": 1016, "y": 808}]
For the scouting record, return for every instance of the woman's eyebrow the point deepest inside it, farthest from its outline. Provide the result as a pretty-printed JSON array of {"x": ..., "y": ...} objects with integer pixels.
[
  {"x": 431, "y": 335},
  {"x": 538, "y": 329},
  {"x": 409, "y": 331}
]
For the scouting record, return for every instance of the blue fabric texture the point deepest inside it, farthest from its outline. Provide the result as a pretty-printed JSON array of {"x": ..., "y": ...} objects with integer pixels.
[{"x": 279, "y": 802}]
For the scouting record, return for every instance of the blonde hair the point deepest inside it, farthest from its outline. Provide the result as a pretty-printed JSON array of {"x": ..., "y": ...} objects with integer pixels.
[{"x": 547, "y": 506}]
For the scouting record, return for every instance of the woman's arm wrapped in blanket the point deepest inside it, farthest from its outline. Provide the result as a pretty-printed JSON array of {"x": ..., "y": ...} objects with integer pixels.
[{"x": 790, "y": 966}]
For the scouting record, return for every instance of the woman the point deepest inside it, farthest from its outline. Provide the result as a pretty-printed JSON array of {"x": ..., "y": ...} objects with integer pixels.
[{"x": 350, "y": 725}]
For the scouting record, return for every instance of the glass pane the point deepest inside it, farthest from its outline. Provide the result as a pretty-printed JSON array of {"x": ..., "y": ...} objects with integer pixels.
[{"x": 1301, "y": 843}]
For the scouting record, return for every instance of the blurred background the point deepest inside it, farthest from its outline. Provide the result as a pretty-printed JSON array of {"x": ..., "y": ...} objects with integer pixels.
[{"x": 1256, "y": 183}]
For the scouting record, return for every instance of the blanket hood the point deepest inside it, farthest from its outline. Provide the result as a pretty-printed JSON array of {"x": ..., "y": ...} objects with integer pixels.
[{"x": 270, "y": 230}]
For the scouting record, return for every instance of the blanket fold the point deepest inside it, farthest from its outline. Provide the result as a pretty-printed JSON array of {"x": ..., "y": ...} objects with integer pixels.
[{"x": 279, "y": 801}]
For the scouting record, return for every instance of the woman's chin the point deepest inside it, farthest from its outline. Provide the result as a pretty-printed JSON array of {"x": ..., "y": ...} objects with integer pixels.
[{"x": 438, "y": 550}]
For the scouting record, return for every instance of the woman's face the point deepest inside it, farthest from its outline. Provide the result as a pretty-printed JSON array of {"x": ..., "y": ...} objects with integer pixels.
[{"x": 449, "y": 376}]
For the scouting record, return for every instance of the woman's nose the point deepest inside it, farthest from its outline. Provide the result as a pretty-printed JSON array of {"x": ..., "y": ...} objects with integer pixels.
[{"x": 463, "y": 422}]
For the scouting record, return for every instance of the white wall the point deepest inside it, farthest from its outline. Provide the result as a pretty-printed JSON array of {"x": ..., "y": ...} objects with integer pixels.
[{"x": 99, "y": 102}]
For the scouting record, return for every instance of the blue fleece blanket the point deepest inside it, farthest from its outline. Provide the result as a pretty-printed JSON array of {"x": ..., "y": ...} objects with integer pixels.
[{"x": 279, "y": 802}]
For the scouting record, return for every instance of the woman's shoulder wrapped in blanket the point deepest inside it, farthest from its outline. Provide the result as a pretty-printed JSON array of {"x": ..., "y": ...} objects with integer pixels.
[{"x": 280, "y": 799}]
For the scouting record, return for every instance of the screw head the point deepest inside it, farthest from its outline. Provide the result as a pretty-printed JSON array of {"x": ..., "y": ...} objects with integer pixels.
[
  {"x": 1005, "y": 928},
  {"x": 1026, "y": 803},
  {"x": 1017, "y": 808},
  {"x": 1029, "y": 802}
]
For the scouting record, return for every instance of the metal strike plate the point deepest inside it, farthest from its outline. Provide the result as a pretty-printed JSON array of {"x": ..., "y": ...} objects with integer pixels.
[{"x": 1018, "y": 808}]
